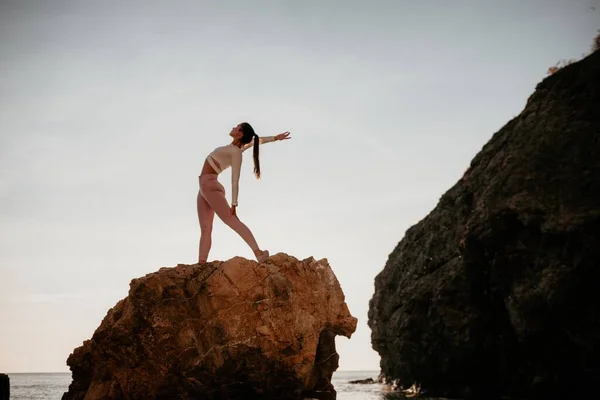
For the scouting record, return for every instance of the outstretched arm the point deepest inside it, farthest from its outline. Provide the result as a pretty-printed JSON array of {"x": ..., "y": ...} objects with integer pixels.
[
  {"x": 261, "y": 140},
  {"x": 266, "y": 139}
]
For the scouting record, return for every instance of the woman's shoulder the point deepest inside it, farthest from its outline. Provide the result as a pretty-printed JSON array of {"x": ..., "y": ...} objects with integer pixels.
[
  {"x": 234, "y": 148},
  {"x": 228, "y": 148}
]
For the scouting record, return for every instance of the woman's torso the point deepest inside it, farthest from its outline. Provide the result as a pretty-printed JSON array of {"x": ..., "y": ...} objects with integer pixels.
[
  {"x": 219, "y": 158},
  {"x": 207, "y": 169}
]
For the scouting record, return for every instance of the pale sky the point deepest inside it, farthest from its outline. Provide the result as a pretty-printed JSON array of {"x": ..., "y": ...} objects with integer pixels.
[{"x": 108, "y": 109}]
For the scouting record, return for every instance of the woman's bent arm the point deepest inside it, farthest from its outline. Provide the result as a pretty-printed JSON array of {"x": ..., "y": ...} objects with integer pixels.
[{"x": 236, "y": 166}]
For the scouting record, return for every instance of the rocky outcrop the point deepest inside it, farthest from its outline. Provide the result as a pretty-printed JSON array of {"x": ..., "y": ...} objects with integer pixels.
[
  {"x": 495, "y": 291},
  {"x": 4, "y": 387},
  {"x": 223, "y": 330},
  {"x": 367, "y": 381}
]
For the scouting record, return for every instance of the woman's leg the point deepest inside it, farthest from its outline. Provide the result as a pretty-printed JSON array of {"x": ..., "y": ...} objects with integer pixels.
[
  {"x": 206, "y": 216},
  {"x": 217, "y": 201}
]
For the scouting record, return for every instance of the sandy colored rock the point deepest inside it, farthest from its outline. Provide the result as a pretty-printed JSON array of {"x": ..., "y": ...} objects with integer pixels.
[{"x": 223, "y": 330}]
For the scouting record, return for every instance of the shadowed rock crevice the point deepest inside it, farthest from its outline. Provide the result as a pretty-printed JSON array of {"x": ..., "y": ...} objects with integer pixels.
[
  {"x": 224, "y": 330},
  {"x": 326, "y": 363},
  {"x": 494, "y": 292}
]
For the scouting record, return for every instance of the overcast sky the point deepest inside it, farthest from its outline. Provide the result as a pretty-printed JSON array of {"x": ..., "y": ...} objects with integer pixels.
[{"x": 108, "y": 109}]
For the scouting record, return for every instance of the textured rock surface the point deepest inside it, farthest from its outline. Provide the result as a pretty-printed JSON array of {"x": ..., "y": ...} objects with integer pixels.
[
  {"x": 4, "y": 387},
  {"x": 225, "y": 330},
  {"x": 496, "y": 290}
]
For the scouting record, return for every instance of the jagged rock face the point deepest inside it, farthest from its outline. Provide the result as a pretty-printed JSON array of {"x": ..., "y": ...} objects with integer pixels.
[
  {"x": 4, "y": 387},
  {"x": 223, "y": 330},
  {"x": 495, "y": 291}
]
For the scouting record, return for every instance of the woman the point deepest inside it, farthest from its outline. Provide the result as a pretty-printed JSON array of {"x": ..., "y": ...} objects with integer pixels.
[{"x": 211, "y": 196}]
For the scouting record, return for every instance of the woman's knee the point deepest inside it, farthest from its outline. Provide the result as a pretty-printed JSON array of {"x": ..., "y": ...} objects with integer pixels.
[
  {"x": 231, "y": 221},
  {"x": 227, "y": 219},
  {"x": 206, "y": 228}
]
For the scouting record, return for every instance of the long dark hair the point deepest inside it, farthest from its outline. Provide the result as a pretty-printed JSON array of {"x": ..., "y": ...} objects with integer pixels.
[{"x": 249, "y": 134}]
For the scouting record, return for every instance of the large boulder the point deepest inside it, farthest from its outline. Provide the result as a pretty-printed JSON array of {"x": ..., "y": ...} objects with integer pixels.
[
  {"x": 496, "y": 290},
  {"x": 223, "y": 330}
]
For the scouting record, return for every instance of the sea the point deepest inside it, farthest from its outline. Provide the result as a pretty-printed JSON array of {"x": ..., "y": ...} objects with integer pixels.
[{"x": 51, "y": 386}]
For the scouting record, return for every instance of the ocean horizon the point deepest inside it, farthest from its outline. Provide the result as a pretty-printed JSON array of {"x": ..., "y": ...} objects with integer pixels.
[{"x": 52, "y": 385}]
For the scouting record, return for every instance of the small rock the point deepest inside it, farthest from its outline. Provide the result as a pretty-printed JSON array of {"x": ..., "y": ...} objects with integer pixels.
[
  {"x": 4, "y": 387},
  {"x": 367, "y": 381}
]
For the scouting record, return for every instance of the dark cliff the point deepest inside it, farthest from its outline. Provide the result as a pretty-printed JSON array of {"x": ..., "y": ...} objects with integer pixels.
[{"x": 495, "y": 291}]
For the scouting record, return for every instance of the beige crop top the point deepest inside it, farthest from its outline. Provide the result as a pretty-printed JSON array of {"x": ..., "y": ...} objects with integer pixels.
[{"x": 224, "y": 157}]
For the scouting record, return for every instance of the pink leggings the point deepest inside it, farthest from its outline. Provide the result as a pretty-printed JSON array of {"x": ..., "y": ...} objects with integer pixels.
[{"x": 211, "y": 200}]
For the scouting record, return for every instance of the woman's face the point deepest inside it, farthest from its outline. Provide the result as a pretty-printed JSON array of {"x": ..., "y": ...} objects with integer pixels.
[{"x": 236, "y": 132}]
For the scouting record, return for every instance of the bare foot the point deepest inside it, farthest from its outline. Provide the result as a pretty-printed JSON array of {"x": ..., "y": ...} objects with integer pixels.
[{"x": 261, "y": 255}]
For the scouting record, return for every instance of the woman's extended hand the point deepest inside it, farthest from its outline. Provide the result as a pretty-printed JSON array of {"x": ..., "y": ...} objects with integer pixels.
[
  {"x": 282, "y": 136},
  {"x": 233, "y": 211}
]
